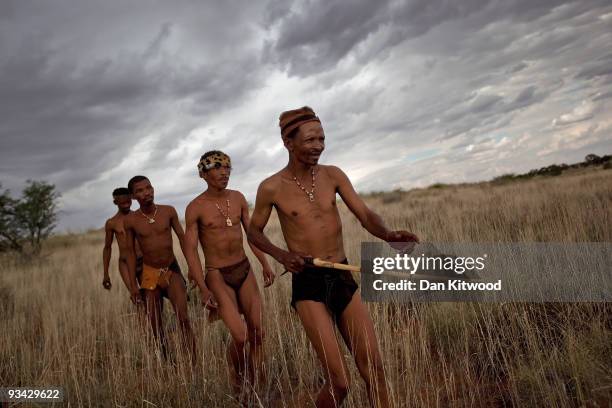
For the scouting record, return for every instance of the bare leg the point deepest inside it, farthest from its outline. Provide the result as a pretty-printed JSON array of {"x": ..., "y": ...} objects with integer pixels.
[
  {"x": 320, "y": 331},
  {"x": 154, "y": 308},
  {"x": 178, "y": 296},
  {"x": 229, "y": 313},
  {"x": 358, "y": 332},
  {"x": 250, "y": 302},
  {"x": 123, "y": 271}
]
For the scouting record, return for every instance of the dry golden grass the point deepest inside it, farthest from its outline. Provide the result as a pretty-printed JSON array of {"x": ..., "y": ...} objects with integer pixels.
[{"x": 59, "y": 327}]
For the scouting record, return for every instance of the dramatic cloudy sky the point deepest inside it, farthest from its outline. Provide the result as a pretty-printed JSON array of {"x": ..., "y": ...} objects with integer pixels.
[{"x": 410, "y": 92}]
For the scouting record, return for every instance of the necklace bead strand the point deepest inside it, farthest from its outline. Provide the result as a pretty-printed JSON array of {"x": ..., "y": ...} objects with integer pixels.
[
  {"x": 150, "y": 219},
  {"x": 310, "y": 193},
  {"x": 228, "y": 220}
]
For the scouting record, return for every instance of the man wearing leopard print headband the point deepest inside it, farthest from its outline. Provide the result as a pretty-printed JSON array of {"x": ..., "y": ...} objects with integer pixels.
[
  {"x": 215, "y": 217},
  {"x": 304, "y": 195}
]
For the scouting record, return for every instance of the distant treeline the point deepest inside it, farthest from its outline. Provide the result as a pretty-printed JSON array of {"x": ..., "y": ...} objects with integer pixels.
[{"x": 590, "y": 160}]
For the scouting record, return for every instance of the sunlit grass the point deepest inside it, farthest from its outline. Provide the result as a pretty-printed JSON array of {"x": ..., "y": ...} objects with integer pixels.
[{"x": 59, "y": 327}]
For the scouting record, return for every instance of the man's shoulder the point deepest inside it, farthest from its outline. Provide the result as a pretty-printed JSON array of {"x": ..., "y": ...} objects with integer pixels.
[
  {"x": 236, "y": 194},
  {"x": 268, "y": 188},
  {"x": 335, "y": 173},
  {"x": 271, "y": 183},
  {"x": 198, "y": 208},
  {"x": 128, "y": 218},
  {"x": 166, "y": 208},
  {"x": 195, "y": 203},
  {"x": 331, "y": 169}
]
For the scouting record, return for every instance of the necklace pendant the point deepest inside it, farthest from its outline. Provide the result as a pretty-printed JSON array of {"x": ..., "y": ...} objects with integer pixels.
[
  {"x": 151, "y": 220},
  {"x": 311, "y": 196},
  {"x": 228, "y": 222}
]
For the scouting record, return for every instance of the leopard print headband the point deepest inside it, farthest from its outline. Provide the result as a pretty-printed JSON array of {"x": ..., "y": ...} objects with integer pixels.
[{"x": 214, "y": 160}]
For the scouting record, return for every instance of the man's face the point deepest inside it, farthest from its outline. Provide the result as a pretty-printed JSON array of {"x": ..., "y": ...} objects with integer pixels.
[
  {"x": 143, "y": 192},
  {"x": 309, "y": 143},
  {"x": 218, "y": 177},
  {"x": 123, "y": 202}
]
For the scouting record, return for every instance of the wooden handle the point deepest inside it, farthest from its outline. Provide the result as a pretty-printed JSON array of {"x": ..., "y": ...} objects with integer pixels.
[
  {"x": 401, "y": 275},
  {"x": 325, "y": 264}
]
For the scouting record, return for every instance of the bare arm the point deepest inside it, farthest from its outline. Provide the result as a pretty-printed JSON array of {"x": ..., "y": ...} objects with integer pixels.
[
  {"x": 130, "y": 236},
  {"x": 368, "y": 218},
  {"x": 256, "y": 236},
  {"x": 178, "y": 228},
  {"x": 246, "y": 219},
  {"x": 106, "y": 253},
  {"x": 190, "y": 251}
]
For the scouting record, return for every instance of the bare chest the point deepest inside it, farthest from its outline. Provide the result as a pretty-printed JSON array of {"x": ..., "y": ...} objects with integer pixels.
[
  {"x": 118, "y": 228},
  {"x": 300, "y": 206},
  {"x": 151, "y": 227},
  {"x": 219, "y": 215}
]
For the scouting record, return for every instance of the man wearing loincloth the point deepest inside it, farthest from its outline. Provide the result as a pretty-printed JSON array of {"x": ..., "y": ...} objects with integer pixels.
[
  {"x": 114, "y": 228},
  {"x": 216, "y": 217},
  {"x": 304, "y": 195},
  {"x": 151, "y": 226}
]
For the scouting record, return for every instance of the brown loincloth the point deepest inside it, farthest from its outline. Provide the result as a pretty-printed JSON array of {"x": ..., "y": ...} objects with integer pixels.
[{"x": 234, "y": 275}]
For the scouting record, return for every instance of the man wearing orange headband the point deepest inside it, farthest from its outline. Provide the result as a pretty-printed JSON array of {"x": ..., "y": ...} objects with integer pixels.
[{"x": 304, "y": 195}]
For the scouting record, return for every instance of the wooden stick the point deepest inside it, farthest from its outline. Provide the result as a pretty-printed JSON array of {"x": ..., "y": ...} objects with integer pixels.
[
  {"x": 353, "y": 268},
  {"x": 326, "y": 264}
]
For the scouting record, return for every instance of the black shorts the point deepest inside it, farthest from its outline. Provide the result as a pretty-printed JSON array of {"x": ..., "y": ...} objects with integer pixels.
[{"x": 332, "y": 287}]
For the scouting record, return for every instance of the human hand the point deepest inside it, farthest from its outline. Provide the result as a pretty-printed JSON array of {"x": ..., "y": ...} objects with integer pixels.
[
  {"x": 268, "y": 275},
  {"x": 293, "y": 261},
  {"x": 403, "y": 241},
  {"x": 208, "y": 299},
  {"x": 136, "y": 296}
]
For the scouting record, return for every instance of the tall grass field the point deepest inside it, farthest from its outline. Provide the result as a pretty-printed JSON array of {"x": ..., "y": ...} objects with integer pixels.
[{"x": 59, "y": 327}]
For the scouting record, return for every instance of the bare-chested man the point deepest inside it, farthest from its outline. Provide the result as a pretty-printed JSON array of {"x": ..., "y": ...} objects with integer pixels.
[
  {"x": 217, "y": 217},
  {"x": 114, "y": 228},
  {"x": 304, "y": 195},
  {"x": 151, "y": 225}
]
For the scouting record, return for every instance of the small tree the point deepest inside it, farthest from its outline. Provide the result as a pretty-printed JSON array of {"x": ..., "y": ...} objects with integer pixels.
[
  {"x": 36, "y": 212},
  {"x": 30, "y": 219},
  {"x": 592, "y": 159},
  {"x": 10, "y": 233}
]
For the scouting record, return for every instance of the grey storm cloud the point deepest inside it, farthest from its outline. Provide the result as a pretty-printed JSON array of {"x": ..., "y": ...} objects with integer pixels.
[
  {"x": 78, "y": 109},
  {"x": 314, "y": 35},
  {"x": 86, "y": 85},
  {"x": 600, "y": 67}
]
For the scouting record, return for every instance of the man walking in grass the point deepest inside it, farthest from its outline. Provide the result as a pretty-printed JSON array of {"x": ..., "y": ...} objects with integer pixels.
[
  {"x": 304, "y": 195},
  {"x": 151, "y": 226},
  {"x": 114, "y": 228},
  {"x": 216, "y": 218}
]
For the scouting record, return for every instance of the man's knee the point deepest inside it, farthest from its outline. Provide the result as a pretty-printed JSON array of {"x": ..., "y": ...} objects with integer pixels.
[
  {"x": 239, "y": 338},
  {"x": 152, "y": 302},
  {"x": 371, "y": 368},
  {"x": 256, "y": 335},
  {"x": 183, "y": 318},
  {"x": 340, "y": 383},
  {"x": 182, "y": 313}
]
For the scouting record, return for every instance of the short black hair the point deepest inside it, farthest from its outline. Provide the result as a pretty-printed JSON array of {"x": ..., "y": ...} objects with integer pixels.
[
  {"x": 135, "y": 180},
  {"x": 119, "y": 191}
]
